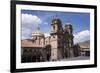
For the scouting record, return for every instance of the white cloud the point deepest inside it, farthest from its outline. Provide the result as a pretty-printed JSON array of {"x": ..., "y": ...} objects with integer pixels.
[
  {"x": 29, "y": 22},
  {"x": 30, "y": 19},
  {"x": 46, "y": 23},
  {"x": 82, "y": 36}
]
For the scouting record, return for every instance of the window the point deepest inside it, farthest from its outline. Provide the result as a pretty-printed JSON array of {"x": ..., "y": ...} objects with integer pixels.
[
  {"x": 54, "y": 27},
  {"x": 53, "y": 36},
  {"x": 59, "y": 37},
  {"x": 59, "y": 28},
  {"x": 46, "y": 41},
  {"x": 30, "y": 50},
  {"x": 60, "y": 43},
  {"x": 25, "y": 50}
]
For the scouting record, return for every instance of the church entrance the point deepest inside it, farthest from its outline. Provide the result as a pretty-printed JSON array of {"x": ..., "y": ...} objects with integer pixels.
[{"x": 48, "y": 52}]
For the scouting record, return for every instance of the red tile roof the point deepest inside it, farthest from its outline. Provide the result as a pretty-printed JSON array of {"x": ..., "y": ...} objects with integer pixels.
[{"x": 30, "y": 44}]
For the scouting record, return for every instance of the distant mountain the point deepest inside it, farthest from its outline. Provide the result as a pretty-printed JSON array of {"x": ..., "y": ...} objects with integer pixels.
[{"x": 85, "y": 44}]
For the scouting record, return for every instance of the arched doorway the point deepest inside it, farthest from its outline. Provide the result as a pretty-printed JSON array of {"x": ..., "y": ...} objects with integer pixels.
[{"x": 48, "y": 52}]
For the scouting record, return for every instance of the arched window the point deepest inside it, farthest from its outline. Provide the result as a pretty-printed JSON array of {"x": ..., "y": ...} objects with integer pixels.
[
  {"x": 25, "y": 50},
  {"x": 53, "y": 36},
  {"x": 54, "y": 27}
]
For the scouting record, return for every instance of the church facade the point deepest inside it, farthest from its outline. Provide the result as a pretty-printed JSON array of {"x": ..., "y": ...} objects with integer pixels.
[{"x": 57, "y": 46}]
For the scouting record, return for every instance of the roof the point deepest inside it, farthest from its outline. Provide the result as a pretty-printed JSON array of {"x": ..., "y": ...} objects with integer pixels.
[
  {"x": 85, "y": 50},
  {"x": 84, "y": 46},
  {"x": 56, "y": 19},
  {"x": 30, "y": 44}
]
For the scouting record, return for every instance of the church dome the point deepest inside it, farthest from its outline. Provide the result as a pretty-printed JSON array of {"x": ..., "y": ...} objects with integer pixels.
[
  {"x": 56, "y": 20},
  {"x": 37, "y": 33},
  {"x": 68, "y": 25}
]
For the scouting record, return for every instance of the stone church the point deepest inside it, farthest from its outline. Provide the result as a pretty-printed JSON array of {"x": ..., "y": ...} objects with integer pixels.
[{"x": 57, "y": 46}]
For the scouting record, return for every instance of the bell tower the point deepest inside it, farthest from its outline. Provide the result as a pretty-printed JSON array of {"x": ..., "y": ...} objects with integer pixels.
[
  {"x": 68, "y": 30},
  {"x": 56, "y": 39},
  {"x": 68, "y": 42},
  {"x": 56, "y": 25}
]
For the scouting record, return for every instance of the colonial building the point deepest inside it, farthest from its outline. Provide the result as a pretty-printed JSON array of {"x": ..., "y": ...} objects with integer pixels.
[
  {"x": 85, "y": 49},
  {"x": 57, "y": 46}
]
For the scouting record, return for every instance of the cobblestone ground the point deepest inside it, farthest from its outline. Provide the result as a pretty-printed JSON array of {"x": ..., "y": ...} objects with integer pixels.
[{"x": 77, "y": 58}]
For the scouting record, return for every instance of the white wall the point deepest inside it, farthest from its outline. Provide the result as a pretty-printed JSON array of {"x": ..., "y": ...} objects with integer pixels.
[{"x": 5, "y": 36}]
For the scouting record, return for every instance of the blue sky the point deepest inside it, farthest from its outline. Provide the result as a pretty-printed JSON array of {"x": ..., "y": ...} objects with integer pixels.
[{"x": 79, "y": 21}]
